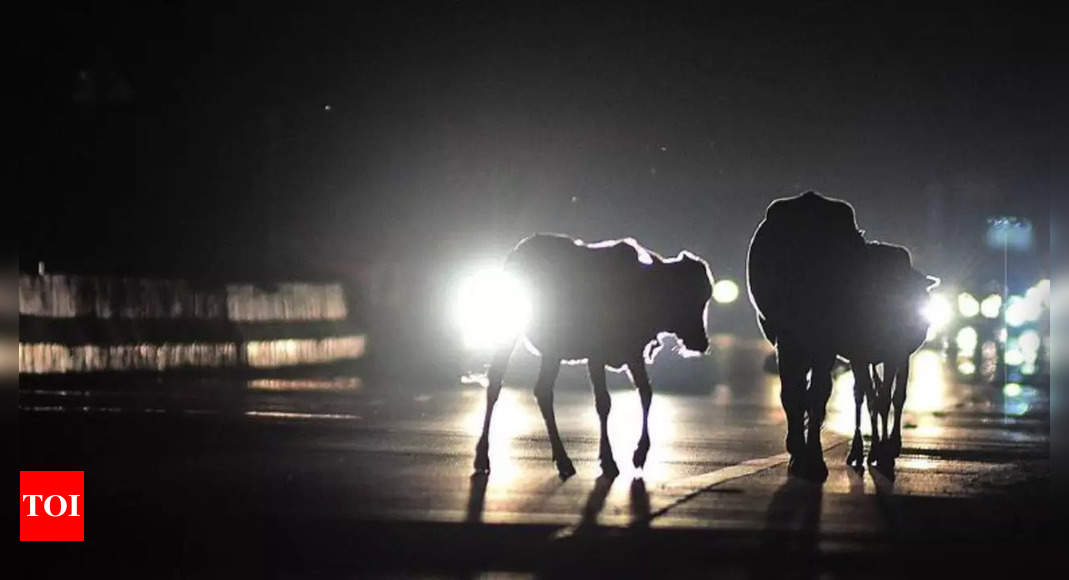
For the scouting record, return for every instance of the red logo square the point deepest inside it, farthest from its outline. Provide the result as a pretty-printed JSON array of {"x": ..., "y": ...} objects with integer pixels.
[{"x": 51, "y": 506}]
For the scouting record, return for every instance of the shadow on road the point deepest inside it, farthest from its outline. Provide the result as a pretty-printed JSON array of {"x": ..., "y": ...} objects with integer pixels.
[
  {"x": 476, "y": 498},
  {"x": 792, "y": 528},
  {"x": 640, "y": 504},
  {"x": 595, "y": 502}
]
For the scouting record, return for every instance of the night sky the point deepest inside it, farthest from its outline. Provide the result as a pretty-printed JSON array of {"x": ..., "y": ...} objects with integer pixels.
[{"x": 209, "y": 140}]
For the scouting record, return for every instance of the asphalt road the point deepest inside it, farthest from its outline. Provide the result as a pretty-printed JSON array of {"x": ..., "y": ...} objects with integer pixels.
[{"x": 375, "y": 479}]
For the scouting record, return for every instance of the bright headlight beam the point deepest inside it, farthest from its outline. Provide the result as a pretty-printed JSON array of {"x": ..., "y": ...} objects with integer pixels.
[
  {"x": 938, "y": 311},
  {"x": 492, "y": 308}
]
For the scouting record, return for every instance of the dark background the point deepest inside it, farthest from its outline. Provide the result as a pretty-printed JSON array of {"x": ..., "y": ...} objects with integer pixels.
[
  {"x": 241, "y": 140},
  {"x": 393, "y": 146}
]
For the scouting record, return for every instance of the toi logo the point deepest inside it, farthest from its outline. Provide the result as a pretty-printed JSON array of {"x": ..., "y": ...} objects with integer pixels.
[{"x": 51, "y": 506}]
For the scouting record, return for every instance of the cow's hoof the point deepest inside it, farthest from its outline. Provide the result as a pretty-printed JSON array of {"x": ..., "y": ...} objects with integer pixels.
[
  {"x": 872, "y": 458},
  {"x": 874, "y": 452},
  {"x": 808, "y": 467},
  {"x": 817, "y": 470},
  {"x": 886, "y": 466},
  {"x": 609, "y": 468},
  {"x": 565, "y": 469},
  {"x": 856, "y": 457},
  {"x": 894, "y": 447},
  {"x": 638, "y": 459}
]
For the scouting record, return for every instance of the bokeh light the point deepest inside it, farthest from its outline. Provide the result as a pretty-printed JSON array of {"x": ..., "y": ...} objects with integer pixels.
[
  {"x": 1016, "y": 313},
  {"x": 1029, "y": 341},
  {"x": 966, "y": 339},
  {"x": 991, "y": 306},
  {"x": 968, "y": 306},
  {"x": 725, "y": 291}
]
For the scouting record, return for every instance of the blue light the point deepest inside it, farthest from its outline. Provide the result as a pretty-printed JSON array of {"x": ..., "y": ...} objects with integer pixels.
[{"x": 1011, "y": 233}]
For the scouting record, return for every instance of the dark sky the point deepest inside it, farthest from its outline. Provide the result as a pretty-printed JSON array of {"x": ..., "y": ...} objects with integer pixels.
[{"x": 216, "y": 137}]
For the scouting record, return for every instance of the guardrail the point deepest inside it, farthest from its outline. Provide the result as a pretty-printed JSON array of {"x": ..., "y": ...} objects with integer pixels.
[{"x": 87, "y": 324}]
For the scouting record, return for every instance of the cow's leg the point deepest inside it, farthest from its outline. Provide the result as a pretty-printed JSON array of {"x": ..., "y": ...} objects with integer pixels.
[
  {"x": 883, "y": 397},
  {"x": 637, "y": 367},
  {"x": 872, "y": 389},
  {"x": 792, "y": 371},
  {"x": 865, "y": 380},
  {"x": 856, "y": 457},
  {"x": 885, "y": 461},
  {"x": 603, "y": 403},
  {"x": 495, "y": 377},
  {"x": 901, "y": 380},
  {"x": 544, "y": 393},
  {"x": 818, "y": 394}
]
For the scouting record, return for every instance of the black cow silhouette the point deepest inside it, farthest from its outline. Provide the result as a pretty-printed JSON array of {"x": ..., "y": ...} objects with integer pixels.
[
  {"x": 885, "y": 326},
  {"x": 797, "y": 269},
  {"x": 820, "y": 291},
  {"x": 606, "y": 303}
]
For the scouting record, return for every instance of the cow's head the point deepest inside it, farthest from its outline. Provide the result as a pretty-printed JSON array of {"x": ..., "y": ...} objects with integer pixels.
[
  {"x": 689, "y": 288},
  {"x": 904, "y": 290}
]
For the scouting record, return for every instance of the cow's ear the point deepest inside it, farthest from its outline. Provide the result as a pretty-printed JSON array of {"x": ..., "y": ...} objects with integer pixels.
[
  {"x": 932, "y": 282},
  {"x": 689, "y": 258}
]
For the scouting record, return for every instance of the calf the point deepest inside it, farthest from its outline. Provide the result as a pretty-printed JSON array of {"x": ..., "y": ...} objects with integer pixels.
[
  {"x": 605, "y": 303},
  {"x": 886, "y": 326}
]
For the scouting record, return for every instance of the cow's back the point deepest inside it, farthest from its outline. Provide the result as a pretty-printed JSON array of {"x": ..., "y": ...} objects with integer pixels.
[
  {"x": 799, "y": 261},
  {"x": 887, "y": 298},
  {"x": 583, "y": 298}
]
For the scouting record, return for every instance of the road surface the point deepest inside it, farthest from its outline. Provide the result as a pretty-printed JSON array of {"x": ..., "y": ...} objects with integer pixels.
[{"x": 378, "y": 479}]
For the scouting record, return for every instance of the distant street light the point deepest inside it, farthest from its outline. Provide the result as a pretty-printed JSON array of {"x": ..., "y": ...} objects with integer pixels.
[{"x": 725, "y": 291}]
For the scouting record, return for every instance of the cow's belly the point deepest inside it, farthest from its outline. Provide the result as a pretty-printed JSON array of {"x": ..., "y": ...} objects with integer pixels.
[{"x": 575, "y": 344}]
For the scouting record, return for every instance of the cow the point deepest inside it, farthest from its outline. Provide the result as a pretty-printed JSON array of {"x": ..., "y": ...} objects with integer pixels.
[
  {"x": 798, "y": 269},
  {"x": 886, "y": 326},
  {"x": 822, "y": 292},
  {"x": 608, "y": 304}
]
